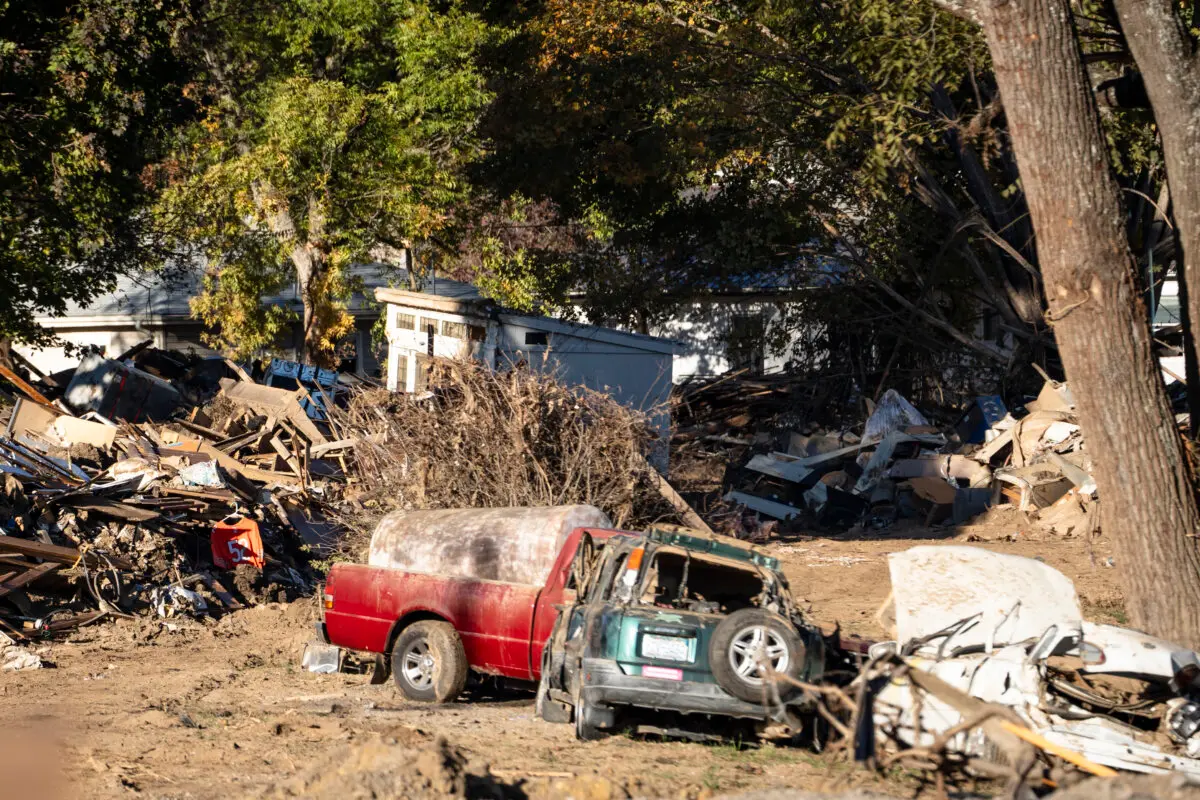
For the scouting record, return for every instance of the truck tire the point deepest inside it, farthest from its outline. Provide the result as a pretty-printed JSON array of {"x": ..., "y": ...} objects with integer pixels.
[
  {"x": 429, "y": 663},
  {"x": 586, "y": 729},
  {"x": 739, "y": 645}
]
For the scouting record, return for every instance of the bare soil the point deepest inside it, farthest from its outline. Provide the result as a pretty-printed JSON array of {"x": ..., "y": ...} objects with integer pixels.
[{"x": 222, "y": 709}]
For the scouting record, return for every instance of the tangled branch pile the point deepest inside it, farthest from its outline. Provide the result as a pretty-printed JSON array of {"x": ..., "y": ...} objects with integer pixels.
[{"x": 491, "y": 440}]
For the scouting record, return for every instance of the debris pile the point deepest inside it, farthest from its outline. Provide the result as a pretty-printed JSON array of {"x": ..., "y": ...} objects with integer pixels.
[
  {"x": 746, "y": 410},
  {"x": 897, "y": 465},
  {"x": 123, "y": 495},
  {"x": 484, "y": 439},
  {"x": 992, "y": 672},
  {"x": 992, "y": 655}
]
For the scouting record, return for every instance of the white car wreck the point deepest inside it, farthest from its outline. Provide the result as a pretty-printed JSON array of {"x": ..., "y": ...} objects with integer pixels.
[{"x": 1009, "y": 630}]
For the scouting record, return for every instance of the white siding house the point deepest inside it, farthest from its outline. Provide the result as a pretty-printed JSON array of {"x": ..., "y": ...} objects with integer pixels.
[{"x": 633, "y": 368}]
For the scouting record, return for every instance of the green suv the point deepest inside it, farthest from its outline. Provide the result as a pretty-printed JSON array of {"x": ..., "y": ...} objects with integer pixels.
[{"x": 676, "y": 621}]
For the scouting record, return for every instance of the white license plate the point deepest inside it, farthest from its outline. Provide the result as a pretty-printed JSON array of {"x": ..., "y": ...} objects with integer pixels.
[{"x": 668, "y": 648}]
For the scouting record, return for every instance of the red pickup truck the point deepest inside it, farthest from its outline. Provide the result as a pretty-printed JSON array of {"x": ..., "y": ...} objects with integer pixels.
[{"x": 449, "y": 591}]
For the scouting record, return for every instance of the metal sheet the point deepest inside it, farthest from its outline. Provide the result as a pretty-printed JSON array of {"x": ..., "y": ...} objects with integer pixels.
[
  {"x": 1130, "y": 652},
  {"x": 1017, "y": 598}
]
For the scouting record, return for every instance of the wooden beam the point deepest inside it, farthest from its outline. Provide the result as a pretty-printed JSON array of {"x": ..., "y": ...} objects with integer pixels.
[
  {"x": 29, "y": 576},
  {"x": 19, "y": 382},
  {"x": 54, "y": 552},
  {"x": 685, "y": 511}
]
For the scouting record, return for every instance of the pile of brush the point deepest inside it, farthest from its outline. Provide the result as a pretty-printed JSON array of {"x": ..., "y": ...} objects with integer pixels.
[{"x": 487, "y": 439}]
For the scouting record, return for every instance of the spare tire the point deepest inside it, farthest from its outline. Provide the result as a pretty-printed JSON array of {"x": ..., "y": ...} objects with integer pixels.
[{"x": 747, "y": 639}]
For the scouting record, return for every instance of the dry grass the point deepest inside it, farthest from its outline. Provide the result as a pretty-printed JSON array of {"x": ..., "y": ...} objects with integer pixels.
[{"x": 491, "y": 440}]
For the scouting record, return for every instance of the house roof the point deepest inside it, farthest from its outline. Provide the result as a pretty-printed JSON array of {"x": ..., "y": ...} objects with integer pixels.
[
  {"x": 596, "y": 333},
  {"x": 166, "y": 295},
  {"x": 468, "y": 302},
  {"x": 455, "y": 298}
]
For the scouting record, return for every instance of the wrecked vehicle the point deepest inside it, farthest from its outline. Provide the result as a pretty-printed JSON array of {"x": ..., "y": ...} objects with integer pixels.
[
  {"x": 454, "y": 591},
  {"x": 1009, "y": 630},
  {"x": 677, "y": 621}
]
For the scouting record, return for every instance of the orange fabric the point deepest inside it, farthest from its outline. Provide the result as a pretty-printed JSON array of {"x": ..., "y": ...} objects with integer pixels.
[{"x": 237, "y": 543}]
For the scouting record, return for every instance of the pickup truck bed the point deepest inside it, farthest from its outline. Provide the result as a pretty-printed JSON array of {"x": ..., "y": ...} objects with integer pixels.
[
  {"x": 503, "y": 626},
  {"x": 495, "y": 620}
]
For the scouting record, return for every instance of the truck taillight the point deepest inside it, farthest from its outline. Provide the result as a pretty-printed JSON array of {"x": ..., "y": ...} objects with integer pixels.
[
  {"x": 327, "y": 599},
  {"x": 633, "y": 565}
]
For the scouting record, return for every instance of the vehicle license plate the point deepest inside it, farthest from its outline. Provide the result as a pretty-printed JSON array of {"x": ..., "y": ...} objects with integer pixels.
[
  {"x": 669, "y": 648},
  {"x": 666, "y": 673}
]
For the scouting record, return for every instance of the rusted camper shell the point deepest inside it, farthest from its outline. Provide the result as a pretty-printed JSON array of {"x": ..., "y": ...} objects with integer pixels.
[{"x": 514, "y": 545}]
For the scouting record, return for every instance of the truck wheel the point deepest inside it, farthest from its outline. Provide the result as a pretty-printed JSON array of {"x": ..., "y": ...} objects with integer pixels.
[
  {"x": 585, "y": 728},
  {"x": 747, "y": 639},
  {"x": 429, "y": 663}
]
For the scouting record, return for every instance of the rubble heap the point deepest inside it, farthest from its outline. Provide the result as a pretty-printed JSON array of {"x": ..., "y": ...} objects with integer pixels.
[
  {"x": 118, "y": 499},
  {"x": 897, "y": 466}
]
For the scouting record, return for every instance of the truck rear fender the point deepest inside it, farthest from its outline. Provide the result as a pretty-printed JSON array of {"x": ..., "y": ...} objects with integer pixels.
[{"x": 408, "y": 619}]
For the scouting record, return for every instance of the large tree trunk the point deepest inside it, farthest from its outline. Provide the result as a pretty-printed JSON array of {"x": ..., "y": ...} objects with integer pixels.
[
  {"x": 1149, "y": 508},
  {"x": 1167, "y": 59}
]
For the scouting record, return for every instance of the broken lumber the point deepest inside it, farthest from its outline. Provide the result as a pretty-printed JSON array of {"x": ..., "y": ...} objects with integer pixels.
[
  {"x": 686, "y": 512},
  {"x": 19, "y": 382},
  {"x": 27, "y": 577},
  {"x": 57, "y": 553},
  {"x": 278, "y": 403}
]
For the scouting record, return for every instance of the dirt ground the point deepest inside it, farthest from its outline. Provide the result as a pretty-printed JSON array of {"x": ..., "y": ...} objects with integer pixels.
[{"x": 222, "y": 709}]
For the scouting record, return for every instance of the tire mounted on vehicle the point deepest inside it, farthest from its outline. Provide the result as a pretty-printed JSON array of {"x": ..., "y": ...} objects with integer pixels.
[
  {"x": 429, "y": 663},
  {"x": 747, "y": 641}
]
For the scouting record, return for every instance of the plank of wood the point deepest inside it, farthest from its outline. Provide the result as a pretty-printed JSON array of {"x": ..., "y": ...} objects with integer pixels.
[
  {"x": 54, "y": 552},
  {"x": 137, "y": 348},
  {"x": 29, "y": 365},
  {"x": 224, "y": 595},
  {"x": 19, "y": 382},
  {"x": 207, "y": 433},
  {"x": 109, "y": 508},
  {"x": 686, "y": 512},
  {"x": 231, "y": 464},
  {"x": 237, "y": 369},
  {"x": 212, "y": 495},
  {"x": 231, "y": 446},
  {"x": 11, "y": 584},
  {"x": 287, "y": 455}
]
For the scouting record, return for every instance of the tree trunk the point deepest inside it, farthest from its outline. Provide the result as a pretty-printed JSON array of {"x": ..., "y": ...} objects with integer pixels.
[
  {"x": 1167, "y": 59},
  {"x": 310, "y": 266},
  {"x": 1149, "y": 508}
]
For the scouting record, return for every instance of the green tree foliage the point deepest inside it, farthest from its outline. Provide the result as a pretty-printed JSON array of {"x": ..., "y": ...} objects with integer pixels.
[
  {"x": 722, "y": 142},
  {"x": 719, "y": 139},
  {"x": 86, "y": 89},
  {"x": 328, "y": 127}
]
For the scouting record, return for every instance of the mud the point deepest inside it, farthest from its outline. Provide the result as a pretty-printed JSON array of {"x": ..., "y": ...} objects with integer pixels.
[{"x": 187, "y": 709}]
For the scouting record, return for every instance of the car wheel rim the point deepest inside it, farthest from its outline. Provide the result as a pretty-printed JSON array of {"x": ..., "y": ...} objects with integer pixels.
[
  {"x": 754, "y": 647},
  {"x": 418, "y": 665}
]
